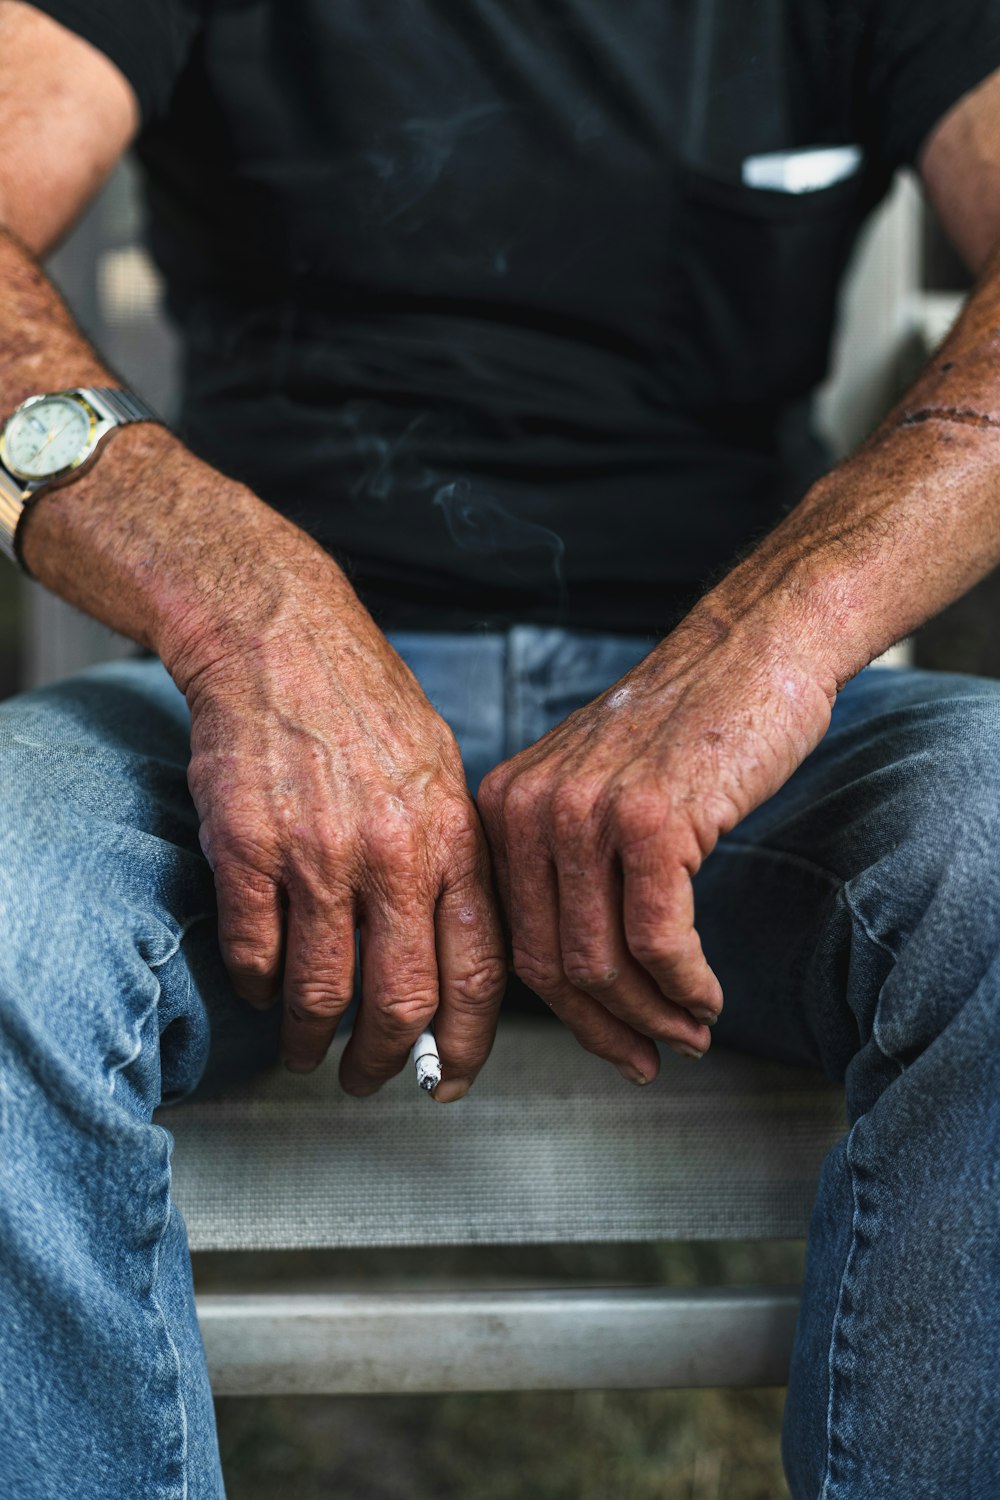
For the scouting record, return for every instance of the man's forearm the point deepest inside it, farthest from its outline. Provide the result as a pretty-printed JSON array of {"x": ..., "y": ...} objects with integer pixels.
[
  {"x": 897, "y": 531},
  {"x": 151, "y": 541}
]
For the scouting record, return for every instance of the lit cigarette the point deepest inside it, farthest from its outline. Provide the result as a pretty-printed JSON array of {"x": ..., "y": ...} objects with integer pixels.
[{"x": 426, "y": 1060}]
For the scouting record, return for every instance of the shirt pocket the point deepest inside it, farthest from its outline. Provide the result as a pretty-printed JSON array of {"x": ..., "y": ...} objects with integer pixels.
[{"x": 754, "y": 277}]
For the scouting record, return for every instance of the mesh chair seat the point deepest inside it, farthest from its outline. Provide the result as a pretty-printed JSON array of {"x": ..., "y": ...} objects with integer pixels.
[{"x": 549, "y": 1146}]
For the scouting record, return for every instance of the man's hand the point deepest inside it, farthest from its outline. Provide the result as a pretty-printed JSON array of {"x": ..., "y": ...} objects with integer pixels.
[
  {"x": 332, "y": 795},
  {"x": 598, "y": 829}
]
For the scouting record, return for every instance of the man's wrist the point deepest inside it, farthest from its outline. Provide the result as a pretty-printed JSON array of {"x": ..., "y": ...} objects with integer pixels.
[
  {"x": 788, "y": 614},
  {"x": 876, "y": 547},
  {"x": 167, "y": 550}
]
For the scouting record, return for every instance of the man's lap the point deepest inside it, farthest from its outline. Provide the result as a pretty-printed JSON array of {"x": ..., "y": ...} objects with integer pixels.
[
  {"x": 810, "y": 903},
  {"x": 832, "y": 872}
]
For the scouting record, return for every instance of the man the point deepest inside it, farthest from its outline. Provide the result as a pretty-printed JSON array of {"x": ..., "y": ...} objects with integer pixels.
[{"x": 501, "y": 324}]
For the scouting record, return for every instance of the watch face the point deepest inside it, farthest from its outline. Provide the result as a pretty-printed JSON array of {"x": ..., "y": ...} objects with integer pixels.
[{"x": 47, "y": 437}]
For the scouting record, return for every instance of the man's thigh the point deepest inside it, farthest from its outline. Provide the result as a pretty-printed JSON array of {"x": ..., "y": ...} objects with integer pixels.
[
  {"x": 878, "y": 855},
  {"x": 889, "y": 827},
  {"x": 108, "y": 902}
]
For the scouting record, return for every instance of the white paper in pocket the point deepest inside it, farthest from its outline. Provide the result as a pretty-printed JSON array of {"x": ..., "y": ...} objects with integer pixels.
[{"x": 805, "y": 171}]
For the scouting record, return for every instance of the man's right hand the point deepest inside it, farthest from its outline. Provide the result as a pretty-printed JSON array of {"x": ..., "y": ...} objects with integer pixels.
[
  {"x": 329, "y": 790},
  {"x": 331, "y": 794}
]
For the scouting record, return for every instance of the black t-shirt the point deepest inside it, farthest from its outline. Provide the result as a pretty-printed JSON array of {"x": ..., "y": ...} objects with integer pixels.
[{"x": 475, "y": 290}]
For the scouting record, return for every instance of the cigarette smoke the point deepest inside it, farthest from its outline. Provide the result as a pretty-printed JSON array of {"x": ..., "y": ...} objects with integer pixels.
[{"x": 478, "y": 522}]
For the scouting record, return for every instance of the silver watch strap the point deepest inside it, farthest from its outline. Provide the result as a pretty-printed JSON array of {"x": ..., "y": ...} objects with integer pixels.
[
  {"x": 122, "y": 406},
  {"x": 116, "y": 408},
  {"x": 12, "y": 499}
]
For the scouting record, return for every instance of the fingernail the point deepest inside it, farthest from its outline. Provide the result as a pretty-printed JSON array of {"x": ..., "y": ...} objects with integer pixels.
[
  {"x": 298, "y": 1067},
  {"x": 707, "y": 1017},
  {"x": 632, "y": 1074},
  {"x": 451, "y": 1089},
  {"x": 686, "y": 1051}
]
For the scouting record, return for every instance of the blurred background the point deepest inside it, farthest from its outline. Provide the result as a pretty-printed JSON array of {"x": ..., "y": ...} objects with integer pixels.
[{"x": 905, "y": 289}]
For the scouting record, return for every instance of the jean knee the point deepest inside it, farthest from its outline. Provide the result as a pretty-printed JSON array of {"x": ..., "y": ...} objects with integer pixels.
[
  {"x": 95, "y": 911},
  {"x": 927, "y": 906}
]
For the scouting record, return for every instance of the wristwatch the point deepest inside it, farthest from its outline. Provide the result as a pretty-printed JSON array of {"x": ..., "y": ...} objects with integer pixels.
[{"x": 52, "y": 439}]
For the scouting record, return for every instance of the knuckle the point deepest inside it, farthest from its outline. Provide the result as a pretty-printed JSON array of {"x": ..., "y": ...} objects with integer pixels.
[
  {"x": 522, "y": 803},
  {"x": 589, "y": 973},
  {"x": 459, "y": 816},
  {"x": 409, "y": 1012},
  {"x": 571, "y": 806},
  {"x": 315, "y": 1002},
  {"x": 638, "y": 823},
  {"x": 460, "y": 830},
  {"x": 489, "y": 796},
  {"x": 243, "y": 882},
  {"x": 249, "y": 848},
  {"x": 394, "y": 845},
  {"x": 249, "y": 959},
  {"x": 318, "y": 859},
  {"x": 242, "y": 891},
  {"x": 449, "y": 749},
  {"x": 310, "y": 1021},
  {"x": 542, "y": 975},
  {"x": 481, "y": 985},
  {"x": 496, "y": 780},
  {"x": 650, "y": 946},
  {"x": 660, "y": 939}
]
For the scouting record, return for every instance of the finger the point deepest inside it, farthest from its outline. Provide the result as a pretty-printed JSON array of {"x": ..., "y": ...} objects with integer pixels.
[
  {"x": 489, "y": 802},
  {"x": 658, "y": 909},
  {"x": 319, "y": 977},
  {"x": 472, "y": 970},
  {"x": 399, "y": 988},
  {"x": 251, "y": 922},
  {"x": 596, "y": 958},
  {"x": 538, "y": 962}
]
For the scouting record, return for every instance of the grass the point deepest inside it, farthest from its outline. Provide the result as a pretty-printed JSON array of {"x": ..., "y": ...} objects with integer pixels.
[{"x": 587, "y": 1445}]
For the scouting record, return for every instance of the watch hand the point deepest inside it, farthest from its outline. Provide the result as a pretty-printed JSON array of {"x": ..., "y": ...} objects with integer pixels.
[{"x": 52, "y": 436}]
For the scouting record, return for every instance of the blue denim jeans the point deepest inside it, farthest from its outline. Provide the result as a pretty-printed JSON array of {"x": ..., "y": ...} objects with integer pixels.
[{"x": 853, "y": 921}]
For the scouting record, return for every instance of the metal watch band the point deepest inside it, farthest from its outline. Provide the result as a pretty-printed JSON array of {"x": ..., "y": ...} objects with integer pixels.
[
  {"x": 12, "y": 501},
  {"x": 123, "y": 406},
  {"x": 116, "y": 407}
]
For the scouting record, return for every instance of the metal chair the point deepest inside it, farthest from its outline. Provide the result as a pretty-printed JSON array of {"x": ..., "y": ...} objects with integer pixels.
[{"x": 549, "y": 1147}]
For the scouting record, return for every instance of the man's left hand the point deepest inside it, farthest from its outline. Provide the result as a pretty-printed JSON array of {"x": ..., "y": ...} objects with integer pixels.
[{"x": 598, "y": 829}]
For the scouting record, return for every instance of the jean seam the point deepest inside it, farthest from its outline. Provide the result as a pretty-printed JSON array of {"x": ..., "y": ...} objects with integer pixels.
[
  {"x": 826, "y": 1491},
  {"x": 182, "y": 1493},
  {"x": 843, "y": 887},
  {"x": 883, "y": 947},
  {"x": 126, "y": 1061},
  {"x": 165, "y": 1138},
  {"x": 797, "y": 860},
  {"x": 863, "y": 923}
]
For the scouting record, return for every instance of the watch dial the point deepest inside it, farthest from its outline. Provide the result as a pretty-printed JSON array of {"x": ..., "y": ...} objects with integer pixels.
[{"x": 47, "y": 437}]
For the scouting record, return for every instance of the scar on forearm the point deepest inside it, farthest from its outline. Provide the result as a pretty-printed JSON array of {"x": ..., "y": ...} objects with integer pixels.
[{"x": 963, "y": 414}]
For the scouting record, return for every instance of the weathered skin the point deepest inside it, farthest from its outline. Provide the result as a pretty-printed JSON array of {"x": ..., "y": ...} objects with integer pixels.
[
  {"x": 607, "y": 819},
  {"x": 328, "y": 787}
]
